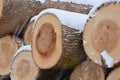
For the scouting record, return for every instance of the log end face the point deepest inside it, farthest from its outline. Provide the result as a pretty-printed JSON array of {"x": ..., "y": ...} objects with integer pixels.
[
  {"x": 102, "y": 33},
  {"x": 88, "y": 70},
  {"x": 105, "y": 36},
  {"x": 8, "y": 46},
  {"x": 23, "y": 67},
  {"x": 28, "y": 33},
  {"x": 47, "y": 41}
]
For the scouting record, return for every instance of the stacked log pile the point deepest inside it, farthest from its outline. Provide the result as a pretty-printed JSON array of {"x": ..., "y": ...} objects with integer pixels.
[{"x": 58, "y": 40}]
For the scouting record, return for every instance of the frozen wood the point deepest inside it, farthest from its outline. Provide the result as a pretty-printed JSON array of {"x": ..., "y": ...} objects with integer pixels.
[
  {"x": 8, "y": 47},
  {"x": 23, "y": 66},
  {"x": 88, "y": 70},
  {"x": 53, "y": 43},
  {"x": 101, "y": 34},
  {"x": 114, "y": 75}
]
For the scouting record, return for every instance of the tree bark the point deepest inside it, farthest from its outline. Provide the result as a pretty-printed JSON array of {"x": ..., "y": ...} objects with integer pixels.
[
  {"x": 101, "y": 33},
  {"x": 88, "y": 70},
  {"x": 8, "y": 46},
  {"x": 23, "y": 66},
  {"x": 56, "y": 44},
  {"x": 15, "y": 14},
  {"x": 74, "y": 7}
]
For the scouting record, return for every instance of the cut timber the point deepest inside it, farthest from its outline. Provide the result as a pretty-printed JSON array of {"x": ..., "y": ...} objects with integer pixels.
[
  {"x": 88, "y": 70},
  {"x": 23, "y": 66},
  {"x": 56, "y": 43},
  {"x": 28, "y": 33},
  {"x": 8, "y": 46},
  {"x": 15, "y": 14},
  {"x": 101, "y": 35},
  {"x": 114, "y": 75}
]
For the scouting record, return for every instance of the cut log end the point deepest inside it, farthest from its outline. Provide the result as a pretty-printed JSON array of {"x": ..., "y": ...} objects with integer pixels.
[
  {"x": 47, "y": 41},
  {"x": 88, "y": 70},
  {"x": 28, "y": 33},
  {"x": 102, "y": 32},
  {"x": 105, "y": 36},
  {"x": 114, "y": 75},
  {"x": 23, "y": 67},
  {"x": 8, "y": 46}
]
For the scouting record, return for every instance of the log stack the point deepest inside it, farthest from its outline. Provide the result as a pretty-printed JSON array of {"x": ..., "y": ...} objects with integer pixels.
[{"x": 60, "y": 40}]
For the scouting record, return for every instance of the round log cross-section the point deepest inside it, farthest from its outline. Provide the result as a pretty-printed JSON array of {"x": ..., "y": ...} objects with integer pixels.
[
  {"x": 54, "y": 44},
  {"x": 88, "y": 70},
  {"x": 23, "y": 66},
  {"x": 8, "y": 47},
  {"x": 102, "y": 32}
]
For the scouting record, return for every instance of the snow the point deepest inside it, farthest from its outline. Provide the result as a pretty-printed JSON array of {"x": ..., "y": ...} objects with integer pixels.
[
  {"x": 98, "y": 4},
  {"x": 41, "y": 1},
  {"x": 34, "y": 18},
  {"x": 84, "y": 42},
  {"x": 67, "y": 18},
  {"x": 85, "y": 2},
  {"x": 108, "y": 59},
  {"x": 27, "y": 47}
]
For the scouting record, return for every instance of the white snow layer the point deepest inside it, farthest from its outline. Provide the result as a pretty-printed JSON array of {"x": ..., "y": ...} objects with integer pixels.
[
  {"x": 67, "y": 18},
  {"x": 41, "y": 1},
  {"x": 108, "y": 59},
  {"x": 98, "y": 4},
  {"x": 27, "y": 47}
]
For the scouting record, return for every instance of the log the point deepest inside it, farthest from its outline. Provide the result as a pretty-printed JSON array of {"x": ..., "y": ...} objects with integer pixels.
[
  {"x": 23, "y": 66},
  {"x": 57, "y": 39},
  {"x": 15, "y": 15},
  {"x": 8, "y": 46},
  {"x": 28, "y": 33},
  {"x": 69, "y": 6},
  {"x": 114, "y": 75},
  {"x": 101, "y": 34},
  {"x": 88, "y": 70}
]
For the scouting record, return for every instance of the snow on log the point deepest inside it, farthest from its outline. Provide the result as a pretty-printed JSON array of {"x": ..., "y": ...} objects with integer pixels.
[
  {"x": 85, "y": 2},
  {"x": 57, "y": 38},
  {"x": 88, "y": 70},
  {"x": 101, "y": 33},
  {"x": 8, "y": 46},
  {"x": 75, "y": 6},
  {"x": 15, "y": 14},
  {"x": 114, "y": 75},
  {"x": 23, "y": 66}
]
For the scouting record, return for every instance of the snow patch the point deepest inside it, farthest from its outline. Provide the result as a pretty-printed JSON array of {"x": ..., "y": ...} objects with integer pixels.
[
  {"x": 27, "y": 47},
  {"x": 92, "y": 52},
  {"x": 41, "y": 1},
  {"x": 108, "y": 59},
  {"x": 84, "y": 42},
  {"x": 67, "y": 18}
]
